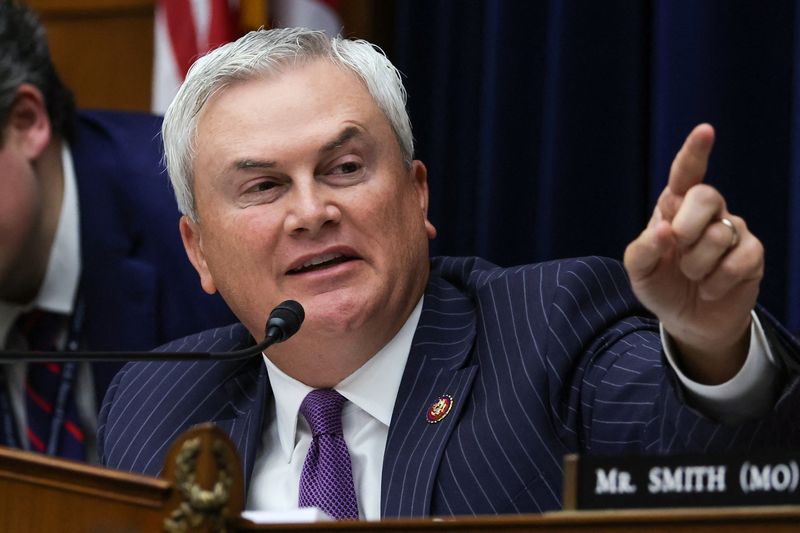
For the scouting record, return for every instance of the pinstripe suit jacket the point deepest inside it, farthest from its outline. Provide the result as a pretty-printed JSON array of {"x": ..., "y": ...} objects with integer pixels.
[{"x": 540, "y": 360}]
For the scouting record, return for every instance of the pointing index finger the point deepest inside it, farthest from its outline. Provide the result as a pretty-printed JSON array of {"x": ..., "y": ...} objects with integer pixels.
[{"x": 689, "y": 167}]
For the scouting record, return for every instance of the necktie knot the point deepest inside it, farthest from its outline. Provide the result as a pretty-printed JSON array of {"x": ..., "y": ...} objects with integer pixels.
[
  {"x": 40, "y": 330},
  {"x": 322, "y": 408}
]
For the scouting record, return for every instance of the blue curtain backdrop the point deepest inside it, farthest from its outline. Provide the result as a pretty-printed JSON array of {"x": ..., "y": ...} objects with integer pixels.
[{"x": 548, "y": 127}]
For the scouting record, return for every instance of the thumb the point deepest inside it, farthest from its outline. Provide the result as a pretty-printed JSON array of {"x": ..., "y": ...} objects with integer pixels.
[{"x": 643, "y": 255}]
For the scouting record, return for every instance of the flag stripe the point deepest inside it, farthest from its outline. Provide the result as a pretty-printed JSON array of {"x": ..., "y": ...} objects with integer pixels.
[
  {"x": 182, "y": 34},
  {"x": 185, "y": 30},
  {"x": 223, "y": 27}
]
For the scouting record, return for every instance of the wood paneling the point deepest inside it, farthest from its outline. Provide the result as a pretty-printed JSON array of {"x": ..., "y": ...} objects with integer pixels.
[
  {"x": 103, "y": 49},
  {"x": 372, "y": 20}
]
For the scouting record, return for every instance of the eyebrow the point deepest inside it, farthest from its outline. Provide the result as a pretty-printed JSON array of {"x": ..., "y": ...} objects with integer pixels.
[
  {"x": 245, "y": 164},
  {"x": 346, "y": 134}
]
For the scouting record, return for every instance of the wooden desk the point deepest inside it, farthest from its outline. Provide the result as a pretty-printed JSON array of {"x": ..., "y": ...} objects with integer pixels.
[
  {"x": 40, "y": 493},
  {"x": 729, "y": 520}
]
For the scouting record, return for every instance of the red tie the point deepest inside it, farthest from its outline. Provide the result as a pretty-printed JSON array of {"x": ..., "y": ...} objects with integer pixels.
[{"x": 53, "y": 426}]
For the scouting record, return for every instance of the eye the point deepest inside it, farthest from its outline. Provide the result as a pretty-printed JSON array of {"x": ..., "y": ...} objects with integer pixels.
[
  {"x": 263, "y": 190},
  {"x": 347, "y": 167},
  {"x": 263, "y": 186}
]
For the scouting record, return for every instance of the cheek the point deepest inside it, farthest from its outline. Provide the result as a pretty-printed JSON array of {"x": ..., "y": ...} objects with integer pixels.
[
  {"x": 20, "y": 218},
  {"x": 239, "y": 252},
  {"x": 396, "y": 226},
  {"x": 20, "y": 207},
  {"x": 232, "y": 241},
  {"x": 399, "y": 215}
]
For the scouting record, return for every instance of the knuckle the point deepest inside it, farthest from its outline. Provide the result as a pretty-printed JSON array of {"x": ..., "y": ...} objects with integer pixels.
[
  {"x": 681, "y": 233},
  {"x": 706, "y": 194},
  {"x": 719, "y": 235},
  {"x": 753, "y": 257},
  {"x": 739, "y": 222},
  {"x": 732, "y": 270},
  {"x": 756, "y": 248}
]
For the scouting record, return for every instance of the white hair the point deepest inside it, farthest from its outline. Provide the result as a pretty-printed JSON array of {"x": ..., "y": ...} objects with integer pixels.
[{"x": 265, "y": 52}]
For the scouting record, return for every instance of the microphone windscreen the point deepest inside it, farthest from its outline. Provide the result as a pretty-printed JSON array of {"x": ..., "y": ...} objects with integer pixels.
[{"x": 284, "y": 320}]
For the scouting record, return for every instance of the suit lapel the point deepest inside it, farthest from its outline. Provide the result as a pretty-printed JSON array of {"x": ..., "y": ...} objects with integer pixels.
[
  {"x": 249, "y": 392},
  {"x": 242, "y": 393},
  {"x": 436, "y": 368}
]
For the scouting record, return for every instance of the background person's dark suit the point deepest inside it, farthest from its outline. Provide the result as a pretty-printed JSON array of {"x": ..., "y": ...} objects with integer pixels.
[
  {"x": 540, "y": 360},
  {"x": 137, "y": 288}
]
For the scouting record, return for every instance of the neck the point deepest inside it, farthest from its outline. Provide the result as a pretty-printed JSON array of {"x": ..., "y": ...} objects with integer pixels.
[{"x": 323, "y": 363}]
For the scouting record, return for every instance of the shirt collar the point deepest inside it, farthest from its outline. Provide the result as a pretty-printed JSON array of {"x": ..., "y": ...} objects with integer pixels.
[
  {"x": 372, "y": 388},
  {"x": 57, "y": 293}
]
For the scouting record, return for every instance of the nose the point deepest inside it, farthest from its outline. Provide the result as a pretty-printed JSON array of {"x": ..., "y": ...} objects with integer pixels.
[{"x": 311, "y": 209}]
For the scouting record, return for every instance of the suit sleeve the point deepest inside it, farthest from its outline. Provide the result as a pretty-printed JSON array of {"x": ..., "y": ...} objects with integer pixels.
[
  {"x": 620, "y": 395},
  {"x": 102, "y": 419}
]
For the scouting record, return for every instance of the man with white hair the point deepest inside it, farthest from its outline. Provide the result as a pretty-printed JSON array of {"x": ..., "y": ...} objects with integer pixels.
[{"x": 452, "y": 386}]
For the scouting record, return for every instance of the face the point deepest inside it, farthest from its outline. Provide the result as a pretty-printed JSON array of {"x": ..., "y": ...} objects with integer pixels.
[
  {"x": 23, "y": 200},
  {"x": 301, "y": 193}
]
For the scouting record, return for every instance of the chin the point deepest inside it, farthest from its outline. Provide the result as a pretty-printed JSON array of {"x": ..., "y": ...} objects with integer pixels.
[{"x": 331, "y": 318}]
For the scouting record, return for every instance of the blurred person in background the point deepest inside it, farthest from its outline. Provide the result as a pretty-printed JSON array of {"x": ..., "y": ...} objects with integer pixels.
[{"x": 90, "y": 255}]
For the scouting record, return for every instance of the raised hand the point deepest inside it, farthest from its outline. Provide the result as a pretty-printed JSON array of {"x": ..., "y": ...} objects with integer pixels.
[{"x": 698, "y": 268}]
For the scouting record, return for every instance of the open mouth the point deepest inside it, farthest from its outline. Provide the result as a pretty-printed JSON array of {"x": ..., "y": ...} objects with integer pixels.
[{"x": 320, "y": 263}]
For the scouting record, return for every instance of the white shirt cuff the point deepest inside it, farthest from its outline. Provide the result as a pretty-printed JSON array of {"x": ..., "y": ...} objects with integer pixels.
[{"x": 747, "y": 395}]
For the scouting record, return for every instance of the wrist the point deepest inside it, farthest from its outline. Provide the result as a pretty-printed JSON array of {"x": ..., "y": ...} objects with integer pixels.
[{"x": 711, "y": 363}]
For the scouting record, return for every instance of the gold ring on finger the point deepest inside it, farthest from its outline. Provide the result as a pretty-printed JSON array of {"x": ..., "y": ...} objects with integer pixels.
[{"x": 734, "y": 232}]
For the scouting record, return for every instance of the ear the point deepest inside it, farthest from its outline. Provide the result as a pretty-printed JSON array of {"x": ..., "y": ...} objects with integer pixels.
[
  {"x": 420, "y": 176},
  {"x": 193, "y": 243},
  {"x": 28, "y": 124}
]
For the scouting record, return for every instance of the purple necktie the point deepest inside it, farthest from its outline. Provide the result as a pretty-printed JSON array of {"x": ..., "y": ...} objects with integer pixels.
[{"x": 327, "y": 478}]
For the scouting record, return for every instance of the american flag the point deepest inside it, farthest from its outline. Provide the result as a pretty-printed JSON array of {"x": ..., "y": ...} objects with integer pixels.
[{"x": 186, "y": 29}]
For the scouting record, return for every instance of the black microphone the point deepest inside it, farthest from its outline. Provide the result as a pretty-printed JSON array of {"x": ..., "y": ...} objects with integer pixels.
[{"x": 283, "y": 322}]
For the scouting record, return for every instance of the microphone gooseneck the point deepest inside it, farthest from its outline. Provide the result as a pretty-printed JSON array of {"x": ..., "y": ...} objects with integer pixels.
[{"x": 283, "y": 322}]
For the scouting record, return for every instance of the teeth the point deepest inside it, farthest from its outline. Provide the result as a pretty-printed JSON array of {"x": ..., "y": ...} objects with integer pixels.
[{"x": 321, "y": 259}]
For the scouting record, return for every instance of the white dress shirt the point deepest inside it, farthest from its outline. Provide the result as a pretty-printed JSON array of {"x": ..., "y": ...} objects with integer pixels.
[
  {"x": 371, "y": 391},
  {"x": 746, "y": 395}
]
